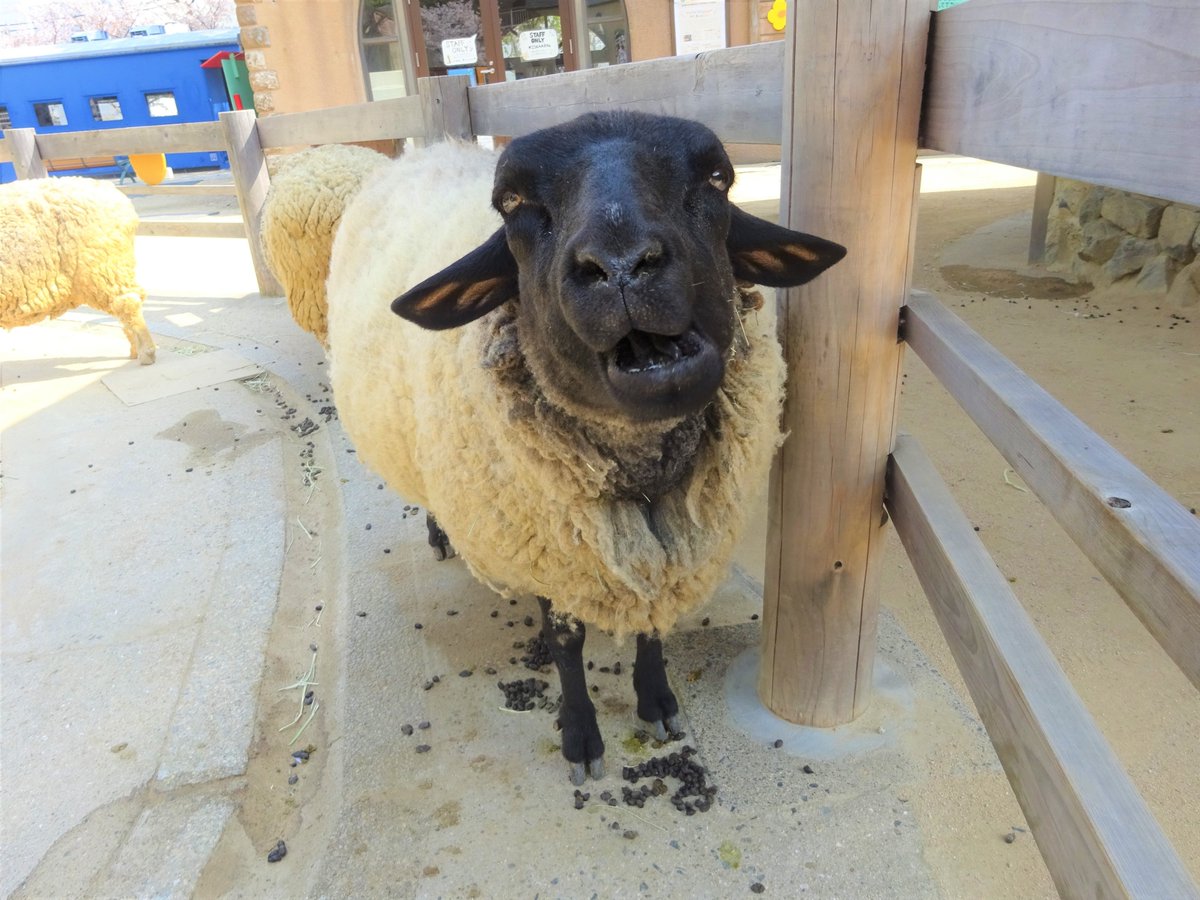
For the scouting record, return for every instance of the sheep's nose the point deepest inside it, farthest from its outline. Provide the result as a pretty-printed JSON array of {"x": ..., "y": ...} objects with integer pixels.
[{"x": 594, "y": 264}]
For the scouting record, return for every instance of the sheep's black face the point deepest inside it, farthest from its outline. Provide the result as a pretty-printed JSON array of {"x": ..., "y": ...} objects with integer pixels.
[
  {"x": 623, "y": 249},
  {"x": 618, "y": 226}
]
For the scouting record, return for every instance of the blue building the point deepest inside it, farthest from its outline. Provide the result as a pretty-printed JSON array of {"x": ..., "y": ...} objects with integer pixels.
[{"x": 155, "y": 79}]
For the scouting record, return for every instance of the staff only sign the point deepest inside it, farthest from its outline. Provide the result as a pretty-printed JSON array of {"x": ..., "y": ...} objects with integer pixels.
[
  {"x": 460, "y": 51},
  {"x": 539, "y": 44}
]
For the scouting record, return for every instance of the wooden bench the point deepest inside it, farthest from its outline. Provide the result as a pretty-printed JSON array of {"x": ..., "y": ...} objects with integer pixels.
[{"x": 81, "y": 162}]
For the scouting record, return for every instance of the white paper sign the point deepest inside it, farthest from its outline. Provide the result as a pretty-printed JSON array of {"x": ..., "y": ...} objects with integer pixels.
[
  {"x": 460, "y": 51},
  {"x": 699, "y": 25},
  {"x": 539, "y": 44}
]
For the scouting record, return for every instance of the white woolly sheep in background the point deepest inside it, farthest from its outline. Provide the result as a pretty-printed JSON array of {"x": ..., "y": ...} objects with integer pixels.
[
  {"x": 584, "y": 407},
  {"x": 300, "y": 216},
  {"x": 68, "y": 242}
]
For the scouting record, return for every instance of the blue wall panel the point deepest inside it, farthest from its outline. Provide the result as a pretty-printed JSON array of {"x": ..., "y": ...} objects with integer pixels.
[{"x": 72, "y": 78}]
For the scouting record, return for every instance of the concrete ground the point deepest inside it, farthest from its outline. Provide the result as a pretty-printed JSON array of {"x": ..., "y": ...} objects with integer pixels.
[{"x": 188, "y": 548}]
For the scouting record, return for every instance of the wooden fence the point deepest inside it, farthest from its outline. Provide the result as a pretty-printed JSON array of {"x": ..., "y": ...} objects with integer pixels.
[{"x": 1013, "y": 81}]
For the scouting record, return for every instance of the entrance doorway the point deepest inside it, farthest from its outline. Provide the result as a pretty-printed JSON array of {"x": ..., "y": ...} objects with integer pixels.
[{"x": 493, "y": 40}]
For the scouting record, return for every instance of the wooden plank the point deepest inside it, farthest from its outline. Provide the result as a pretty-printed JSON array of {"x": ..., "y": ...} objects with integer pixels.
[
  {"x": 1093, "y": 829},
  {"x": 1043, "y": 199},
  {"x": 850, "y": 148},
  {"x": 1107, "y": 91},
  {"x": 27, "y": 159},
  {"x": 5, "y": 152},
  {"x": 77, "y": 162},
  {"x": 227, "y": 228},
  {"x": 195, "y": 190},
  {"x": 249, "y": 168},
  {"x": 188, "y": 137},
  {"x": 444, "y": 108},
  {"x": 1139, "y": 537},
  {"x": 737, "y": 92},
  {"x": 378, "y": 120}
]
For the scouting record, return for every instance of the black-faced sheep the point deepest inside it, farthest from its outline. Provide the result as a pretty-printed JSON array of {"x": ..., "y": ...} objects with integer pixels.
[
  {"x": 68, "y": 242},
  {"x": 585, "y": 407}
]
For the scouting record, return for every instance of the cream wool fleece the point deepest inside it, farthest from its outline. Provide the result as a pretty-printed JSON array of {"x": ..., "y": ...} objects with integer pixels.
[
  {"x": 453, "y": 421},
  {"x": 300, "y": 216},
  {"x": 68, "y": 242}
]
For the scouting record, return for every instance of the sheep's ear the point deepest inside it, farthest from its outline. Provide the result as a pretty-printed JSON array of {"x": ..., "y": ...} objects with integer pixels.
[
  {"x": 767, "y": 254},
  {"x": 464, "y": 290}
]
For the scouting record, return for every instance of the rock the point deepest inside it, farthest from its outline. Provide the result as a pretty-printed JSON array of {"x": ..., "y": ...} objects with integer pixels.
[
  {"x": 1138, "y": 215},
  {"x": 1089, "y": 209},
  {"x": 1177, "y": 231},
  {"x": 1158, "y": 274},
  {"x": 1131, "y": 254},
  {"x": 1064, "y": 238},
  {"x": 1185, "y": 290},
  {"x": 1100, "y": 240},
  {"x": 1069, "y": 194}
]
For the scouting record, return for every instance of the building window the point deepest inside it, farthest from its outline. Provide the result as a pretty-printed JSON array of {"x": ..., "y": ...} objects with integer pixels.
[
  {"x": 161, "y": 104},
  {"x": 51, "y": 113},
  {"x": 383, "y": 58},
  {"x": 105, "y": 109},
  {"x": 5, "y": 121},
  {"x": 608, "y": 35}
]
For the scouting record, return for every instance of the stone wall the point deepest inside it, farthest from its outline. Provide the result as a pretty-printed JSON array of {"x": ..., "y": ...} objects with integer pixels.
[
  {"x": 301, "y": 54},
  {"x": 1105, "y": 236}
]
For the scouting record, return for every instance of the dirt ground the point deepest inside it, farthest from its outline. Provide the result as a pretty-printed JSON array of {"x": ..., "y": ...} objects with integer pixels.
[{"x": 1129, "y": 367}]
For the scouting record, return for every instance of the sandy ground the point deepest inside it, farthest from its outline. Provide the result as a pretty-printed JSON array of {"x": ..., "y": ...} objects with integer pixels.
[{"x": 1129, "y": 369}]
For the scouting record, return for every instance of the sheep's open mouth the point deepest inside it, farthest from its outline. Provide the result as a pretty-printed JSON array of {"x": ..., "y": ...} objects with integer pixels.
[
  {"x": 664, "y": 375},
  {"x": 640, "y": 351}
]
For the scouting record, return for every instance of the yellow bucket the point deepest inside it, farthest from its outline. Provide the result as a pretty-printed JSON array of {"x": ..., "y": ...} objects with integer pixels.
[{"x": 150, "y": 167}]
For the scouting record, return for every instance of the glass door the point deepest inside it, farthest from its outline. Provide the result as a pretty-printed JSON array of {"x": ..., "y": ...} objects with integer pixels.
[
  {"x": 536, "y": 38},
  {"x": 448, "y": 38},
  {"x": 492, "y": 40}
]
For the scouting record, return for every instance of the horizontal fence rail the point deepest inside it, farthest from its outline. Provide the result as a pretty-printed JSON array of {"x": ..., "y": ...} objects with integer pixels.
[
  {"x": 195, "y": 227},
  {"x": 1091, "y": 825},
  {"x": 1106, "y": 91},
  {"x": 189, "y": 137},
  {"x": 737, "y": 92},
  {"x": 1140, "y": 538},
  {"x": 378, "y": 120},
  {"x": 185, "y": 190}
]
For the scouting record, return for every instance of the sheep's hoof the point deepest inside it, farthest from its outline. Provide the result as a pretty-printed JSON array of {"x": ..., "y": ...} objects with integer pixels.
[
  {"x": 146, "y": 357},
  {"x": 663, "y": 732},
  {"x": 579, "y": 771},
  {"x": 442, "y": 548}
]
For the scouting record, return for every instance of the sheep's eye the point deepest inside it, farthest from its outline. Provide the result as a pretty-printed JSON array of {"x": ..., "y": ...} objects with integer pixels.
[
  {"x": 509, "y": 201},
  {"x": 719, "y": 180}
]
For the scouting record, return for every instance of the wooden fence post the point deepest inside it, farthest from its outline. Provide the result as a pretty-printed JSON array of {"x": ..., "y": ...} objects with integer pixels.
[
  {"x": 852, "y": 95},
  {"x": 1043, "y": 199},
  {"x": 444, "y": 108},
  {"x": 249, "y": 168},
  {"x": 26, "y": 159}
]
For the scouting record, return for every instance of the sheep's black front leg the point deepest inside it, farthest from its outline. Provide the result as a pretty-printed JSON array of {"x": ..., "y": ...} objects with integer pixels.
[
  {"x": 656, "y": 703},
  {"x": 581, "y": 742},
  {"x": 442, "y": 548}
]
